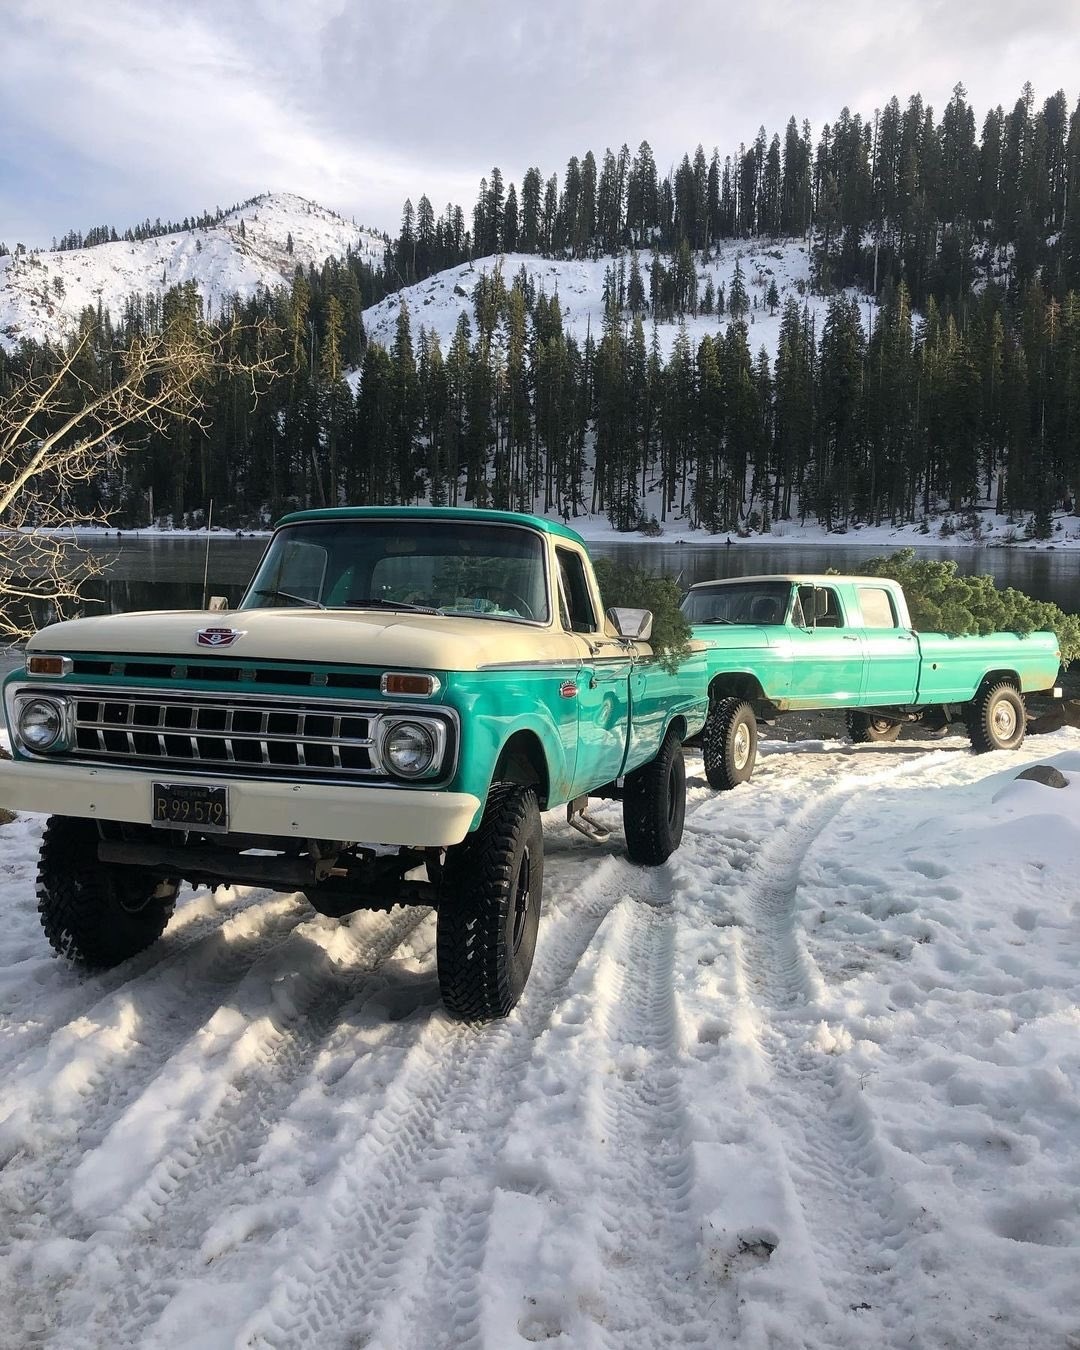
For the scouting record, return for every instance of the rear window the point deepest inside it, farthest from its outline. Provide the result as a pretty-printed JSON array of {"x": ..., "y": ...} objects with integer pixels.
[{"x": 877, "y": 607}]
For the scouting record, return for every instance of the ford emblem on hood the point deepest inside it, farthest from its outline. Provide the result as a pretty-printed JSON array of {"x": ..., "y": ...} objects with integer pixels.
[{"x": 218, "y": 637}]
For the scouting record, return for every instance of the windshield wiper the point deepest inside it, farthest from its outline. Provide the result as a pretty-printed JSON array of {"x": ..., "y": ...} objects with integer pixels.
[
  {"x": 298, "y": 599},
  {"x": 373, "y": 603}
]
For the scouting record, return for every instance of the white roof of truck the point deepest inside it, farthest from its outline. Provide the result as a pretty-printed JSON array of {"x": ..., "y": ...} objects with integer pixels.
[{"x": 802, "y": 578}]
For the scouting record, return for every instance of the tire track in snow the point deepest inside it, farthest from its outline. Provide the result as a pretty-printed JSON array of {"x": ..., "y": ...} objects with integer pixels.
[
  {"x": 36, "y": 1201},
  {"x": 278, "y": 1048},
  {"x": 94, "y": 1070},
  {"x": 649, "y": 1233},
  {"x": 404, "y": 1200},
  {"x": 95, "y": 1065},
  {"x": 188, "y": 941},
  {"x": 196, "y": 926},
  {"x": 811, "y": 1101},
  {"x": 218, "y": 1153}
]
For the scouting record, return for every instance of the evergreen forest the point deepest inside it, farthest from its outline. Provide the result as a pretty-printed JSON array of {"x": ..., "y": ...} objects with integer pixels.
[{"x": 963, "y": 389}]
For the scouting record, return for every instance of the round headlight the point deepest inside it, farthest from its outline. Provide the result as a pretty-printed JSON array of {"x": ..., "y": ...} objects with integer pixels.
[
  {"x": 40, "y": 723},
  {"x": 410, "y": 748}
]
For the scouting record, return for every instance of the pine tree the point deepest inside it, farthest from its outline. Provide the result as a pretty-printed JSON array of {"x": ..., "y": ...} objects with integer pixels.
[
  {"x": 494, "y": 207},
  {"x": 425, "y": 252},
  {"x": 550, "y": 219},
  {"x": 405, "y": 410},
  {"x": 1070, "y": 239},
  {"x": 793, "y": 408},
  {"x": 569, "y": 208},
  {"x": 635, "y": 291},
  {"x": 510, "y": 222},
  {"x": 711, "y": 491},
  {"x": 839, "y": 411},
  {"x": 738, "y": 302},
  {"x": 584, "y": 229},
  {"x": 531, "y": 189},
  {"x": 481, "y": 230}
]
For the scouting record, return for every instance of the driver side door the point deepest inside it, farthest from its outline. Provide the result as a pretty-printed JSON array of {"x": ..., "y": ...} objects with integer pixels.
[
  {"x": 827, "y": 654},
  {"x": 603, "y": 682}
]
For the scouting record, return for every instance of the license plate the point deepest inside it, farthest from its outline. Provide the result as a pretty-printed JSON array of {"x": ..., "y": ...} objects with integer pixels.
[{"x": 191, "y": 806}]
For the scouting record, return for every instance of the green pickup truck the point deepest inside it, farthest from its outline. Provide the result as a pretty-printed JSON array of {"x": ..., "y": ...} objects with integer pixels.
[
  {"x": 398, "y": 696},
  {"x": 780, "y": 643}
]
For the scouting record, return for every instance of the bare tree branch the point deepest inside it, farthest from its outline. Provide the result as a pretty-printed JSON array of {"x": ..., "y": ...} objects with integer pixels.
[{"x": 58, "y": 430}]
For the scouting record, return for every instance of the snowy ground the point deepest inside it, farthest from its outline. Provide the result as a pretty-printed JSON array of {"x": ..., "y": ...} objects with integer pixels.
[{"x": 814, "y": 1083}]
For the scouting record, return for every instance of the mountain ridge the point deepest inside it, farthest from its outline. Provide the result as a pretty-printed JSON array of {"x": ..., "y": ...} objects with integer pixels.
[{"x": 255, "y": 247}]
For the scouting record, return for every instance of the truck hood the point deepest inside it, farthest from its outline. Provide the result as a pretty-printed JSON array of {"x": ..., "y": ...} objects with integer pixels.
[
  {"x": 345, "y": 637},
  {"x": 734, "y": 636}
]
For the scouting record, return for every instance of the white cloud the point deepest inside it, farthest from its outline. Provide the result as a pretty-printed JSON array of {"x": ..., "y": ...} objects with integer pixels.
[{"x": 122, "y": 109}]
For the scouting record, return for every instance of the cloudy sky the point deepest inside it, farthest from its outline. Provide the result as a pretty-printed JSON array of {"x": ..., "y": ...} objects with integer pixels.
[{"x": 114, "y": 110}]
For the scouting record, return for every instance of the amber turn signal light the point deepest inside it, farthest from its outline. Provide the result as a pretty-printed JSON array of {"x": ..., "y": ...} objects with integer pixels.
[
  {"x": 419, "y": 686},
  {"x": 48, "y": 665}
]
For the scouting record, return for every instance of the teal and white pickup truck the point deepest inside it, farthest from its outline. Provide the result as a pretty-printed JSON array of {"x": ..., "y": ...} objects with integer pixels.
[
  {"x": 781, "y": 643},
  {"x": 398, "y": 696}
]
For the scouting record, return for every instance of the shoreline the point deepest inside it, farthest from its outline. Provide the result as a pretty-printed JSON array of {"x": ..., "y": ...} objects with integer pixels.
[{"x": 995, "y": 533}]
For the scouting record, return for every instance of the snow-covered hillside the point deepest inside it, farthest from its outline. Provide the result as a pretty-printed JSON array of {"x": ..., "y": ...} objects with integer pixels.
[
  {"x": 436, "y": 303},
  {"x": 42, "y": 294},
  {"x": 811, "y": 1085}
]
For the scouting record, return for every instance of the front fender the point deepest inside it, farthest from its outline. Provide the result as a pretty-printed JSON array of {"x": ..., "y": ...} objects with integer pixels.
[{"x": 494, "y": 706}]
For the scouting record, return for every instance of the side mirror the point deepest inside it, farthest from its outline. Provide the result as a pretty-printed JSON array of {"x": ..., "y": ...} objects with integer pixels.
[
  {"x": 218, "y": 603},
  {"x": 633, "y": 624}
]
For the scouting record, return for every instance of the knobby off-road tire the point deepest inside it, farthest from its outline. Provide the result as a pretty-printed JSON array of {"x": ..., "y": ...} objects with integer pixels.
[
  {"x": 654, "y": 805},
  {"x": 866, "y": 729},
  {"x": 729, "y": 743},
  {"x": 996, "y": 719},
  {"x": 94, "y": 914},
  {"x": 489, "y": 907}
]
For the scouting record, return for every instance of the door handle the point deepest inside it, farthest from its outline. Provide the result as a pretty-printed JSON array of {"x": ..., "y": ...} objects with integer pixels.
[{"x": 850, "y": 637}]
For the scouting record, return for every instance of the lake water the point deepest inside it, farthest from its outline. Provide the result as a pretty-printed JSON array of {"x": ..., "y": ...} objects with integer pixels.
[{"x": 154, "y": 572}]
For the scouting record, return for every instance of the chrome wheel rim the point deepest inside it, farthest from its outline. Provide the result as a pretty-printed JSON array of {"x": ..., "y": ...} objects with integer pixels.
[
  {"x": 740, "y": 746},
  {"x": 1003, "y": 719}
]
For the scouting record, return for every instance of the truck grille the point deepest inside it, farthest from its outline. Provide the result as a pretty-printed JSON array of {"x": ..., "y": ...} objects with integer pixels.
[{"x": 245, "y": 736}]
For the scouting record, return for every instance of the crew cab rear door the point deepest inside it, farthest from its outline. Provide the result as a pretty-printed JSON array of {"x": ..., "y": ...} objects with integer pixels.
[
  {"x": 891, "y": 651},
  {"x": 603, "y": 681}
]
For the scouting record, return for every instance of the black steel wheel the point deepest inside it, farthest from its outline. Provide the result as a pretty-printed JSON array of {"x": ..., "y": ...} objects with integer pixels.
[
  {"x": 489, "y": 907},
  {"x": 93, "y": 913},
  {"x": 654, "y": 805}
]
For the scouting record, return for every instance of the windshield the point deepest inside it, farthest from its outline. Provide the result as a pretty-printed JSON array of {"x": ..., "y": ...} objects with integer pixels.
[
  {"x": 430, "y": 566},
  {"x": 760, "y": 602}
]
